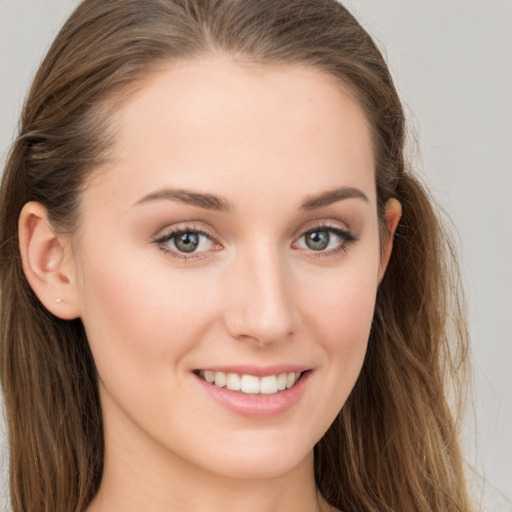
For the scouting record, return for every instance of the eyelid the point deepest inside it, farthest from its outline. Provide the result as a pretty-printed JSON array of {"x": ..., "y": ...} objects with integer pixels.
[
  {"x": 347, "y": 236},
  {"x": 195, "y": 226},
  {"x": 167, "y": 234},
  {"x": 321, "y": 224}
]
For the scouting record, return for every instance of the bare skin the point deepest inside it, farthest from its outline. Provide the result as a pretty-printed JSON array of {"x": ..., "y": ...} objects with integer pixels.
[{"x": 279, "y": 270}]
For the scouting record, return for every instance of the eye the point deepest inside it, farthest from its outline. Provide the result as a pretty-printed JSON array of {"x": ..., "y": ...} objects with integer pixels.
[
  {"x": 317, "y": 240},
  {"x": 327, "y": 239},
  {"x": 186, "y": 241}
]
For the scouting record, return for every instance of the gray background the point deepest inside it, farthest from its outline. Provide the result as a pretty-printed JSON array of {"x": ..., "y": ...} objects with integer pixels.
[{"x": 452, "y": 61}]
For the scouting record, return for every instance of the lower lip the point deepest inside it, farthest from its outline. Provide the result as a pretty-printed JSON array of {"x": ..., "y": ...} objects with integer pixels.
[{"x": 257, "y": 406}]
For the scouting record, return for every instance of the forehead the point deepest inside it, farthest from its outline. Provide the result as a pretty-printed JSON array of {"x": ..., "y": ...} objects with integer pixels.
[{"x": 208, "y": 121}]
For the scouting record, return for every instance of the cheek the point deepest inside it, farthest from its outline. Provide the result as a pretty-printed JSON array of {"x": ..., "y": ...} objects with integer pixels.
[
  {"x": 135, "y": 315},
  {"x": 345, "y": 329},
  {"x": 142, "y": 323},
  {"x": 340, "y": 312},
  {"x": 342, "y": 302}
]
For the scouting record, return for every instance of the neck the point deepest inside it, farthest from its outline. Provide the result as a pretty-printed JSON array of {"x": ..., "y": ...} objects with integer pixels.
[
  {"x": 179, "y": 487},
  {"x": 141, "y": 474}
]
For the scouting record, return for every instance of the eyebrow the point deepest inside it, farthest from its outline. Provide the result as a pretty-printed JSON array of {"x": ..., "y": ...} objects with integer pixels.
[
  {"x": 217, "y": 203},
  {"x": 333, "y": 196},
  {"x": 201, "y": 200}
]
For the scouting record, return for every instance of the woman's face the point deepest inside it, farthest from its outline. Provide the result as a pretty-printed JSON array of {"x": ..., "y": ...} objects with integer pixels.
[{"x": 232, "y": 237}]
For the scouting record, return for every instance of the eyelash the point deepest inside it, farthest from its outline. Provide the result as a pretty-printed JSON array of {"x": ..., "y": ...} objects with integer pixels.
[
  {"x": 347, "y": 240},
  {"x": 163, "y": 242},
  {"x": 347, "y": 237}
]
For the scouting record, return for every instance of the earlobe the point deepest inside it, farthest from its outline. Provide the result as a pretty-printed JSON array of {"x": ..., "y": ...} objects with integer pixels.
[
  {"x": 47, "y": 262},
  {"x": 392, "y": 216}
]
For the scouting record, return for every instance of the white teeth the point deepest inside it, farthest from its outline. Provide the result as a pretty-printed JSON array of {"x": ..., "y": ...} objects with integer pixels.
[
  {"x": 220, "y": 379},
  {"x": 268, "y": 385},
  {"x": 251, "y": 384},
  {"x": 209, "y": 376},
  {"x": 281, "y": 381},
  {"x": 233, "y": 382}
]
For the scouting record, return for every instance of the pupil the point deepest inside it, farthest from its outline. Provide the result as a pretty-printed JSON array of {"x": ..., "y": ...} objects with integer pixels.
[
  {"x": 317, "y": 240},
  {"x": 187, "y": 242}
]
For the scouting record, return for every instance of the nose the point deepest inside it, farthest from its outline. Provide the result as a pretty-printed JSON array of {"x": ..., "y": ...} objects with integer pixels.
[{"x": 260, "y": 301}]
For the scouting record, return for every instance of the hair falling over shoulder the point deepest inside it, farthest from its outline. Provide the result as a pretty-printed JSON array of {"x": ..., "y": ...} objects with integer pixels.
[{"x": 394, "y": 445}]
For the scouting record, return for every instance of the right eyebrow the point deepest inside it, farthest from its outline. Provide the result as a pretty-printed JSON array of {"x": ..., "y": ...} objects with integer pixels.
[{"x": 199, "y": 199}]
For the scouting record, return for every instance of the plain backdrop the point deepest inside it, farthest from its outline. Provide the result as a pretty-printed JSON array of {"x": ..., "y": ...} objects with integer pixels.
[{"x": 452, "y": 63}]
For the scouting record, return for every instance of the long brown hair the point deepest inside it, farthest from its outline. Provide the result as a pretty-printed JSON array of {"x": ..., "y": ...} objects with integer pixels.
[{"x": 394, "y": 444}]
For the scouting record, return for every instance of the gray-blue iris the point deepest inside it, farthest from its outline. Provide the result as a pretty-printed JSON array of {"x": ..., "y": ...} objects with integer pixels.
[
  {"x": 187, "y": 242},
  {"x": 317, "y": 240}
]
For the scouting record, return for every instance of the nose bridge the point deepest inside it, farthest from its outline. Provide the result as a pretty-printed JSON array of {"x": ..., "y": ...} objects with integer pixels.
[{"x": 261, "y": 305}]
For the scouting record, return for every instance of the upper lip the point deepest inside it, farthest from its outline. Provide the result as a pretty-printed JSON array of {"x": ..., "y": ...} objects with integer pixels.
[{"x": 257, "y": 371}]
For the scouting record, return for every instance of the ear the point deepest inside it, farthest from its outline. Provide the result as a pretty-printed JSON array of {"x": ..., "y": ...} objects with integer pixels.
[
  {"x": 48, "y": 262},
  {"x": 392, "y": 216}
]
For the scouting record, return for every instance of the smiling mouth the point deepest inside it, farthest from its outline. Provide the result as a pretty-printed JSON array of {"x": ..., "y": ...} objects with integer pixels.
[{"x": 251, "y": 384}]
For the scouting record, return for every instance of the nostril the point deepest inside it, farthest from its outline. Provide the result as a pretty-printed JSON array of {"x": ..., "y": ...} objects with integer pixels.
[{"x": 261, "y": 307}]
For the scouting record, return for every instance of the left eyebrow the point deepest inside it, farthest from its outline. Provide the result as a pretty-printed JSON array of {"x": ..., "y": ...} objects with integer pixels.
[{"x": 333, "y": 196}]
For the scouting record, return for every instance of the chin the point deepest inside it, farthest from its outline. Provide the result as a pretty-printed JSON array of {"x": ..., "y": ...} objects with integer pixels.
[
  {"x": 264, "y": 467},
  {"x": 267, "y": 455}
]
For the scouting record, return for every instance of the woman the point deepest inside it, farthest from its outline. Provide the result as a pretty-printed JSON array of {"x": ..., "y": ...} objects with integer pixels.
[{"x": 221, "y": 287}]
